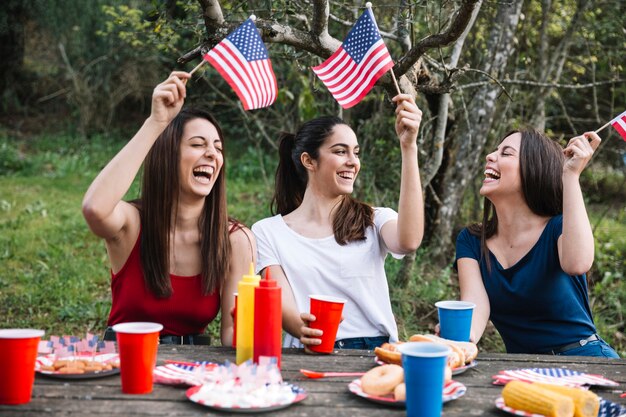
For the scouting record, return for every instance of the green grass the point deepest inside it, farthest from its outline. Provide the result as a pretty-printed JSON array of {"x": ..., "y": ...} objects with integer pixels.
[{"x": 55, "y": 274}]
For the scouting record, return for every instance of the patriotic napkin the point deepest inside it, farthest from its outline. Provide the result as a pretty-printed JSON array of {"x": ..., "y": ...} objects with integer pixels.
[
  {"x": 556, "y": 376},
  {"x": 192, "y": 374}
]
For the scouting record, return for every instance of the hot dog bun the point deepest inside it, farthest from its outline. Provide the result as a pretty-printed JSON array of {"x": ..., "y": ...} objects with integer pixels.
[
  {"x": 388, "y": 353},
  {"x": 468, "y": 349},
  {"x": 456, "y": 358}
]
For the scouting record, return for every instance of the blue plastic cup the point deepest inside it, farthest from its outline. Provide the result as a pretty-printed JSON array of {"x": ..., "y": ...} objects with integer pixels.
[
  {"x": 455, "y": 319},
  {"x": 424, "y": 367}
]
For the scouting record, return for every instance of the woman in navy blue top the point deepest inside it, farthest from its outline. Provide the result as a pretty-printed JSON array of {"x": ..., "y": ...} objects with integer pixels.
[{"x": 525, "y": 268}]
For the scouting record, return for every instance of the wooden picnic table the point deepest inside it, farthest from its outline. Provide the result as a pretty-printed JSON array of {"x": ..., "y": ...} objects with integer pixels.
[{"x": 326, "y": 397}]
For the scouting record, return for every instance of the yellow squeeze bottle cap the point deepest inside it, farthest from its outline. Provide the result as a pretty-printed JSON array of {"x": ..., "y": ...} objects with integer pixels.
[{"x": 251, "y": 277}]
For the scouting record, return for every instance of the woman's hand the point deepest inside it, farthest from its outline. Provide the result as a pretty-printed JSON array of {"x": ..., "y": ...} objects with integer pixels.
[
  {"x": 579, "y": 151},
  {"x": 168, "y": 97},
  {"x": 310, "y": 336},
  {"x": 408, "y": 119}
]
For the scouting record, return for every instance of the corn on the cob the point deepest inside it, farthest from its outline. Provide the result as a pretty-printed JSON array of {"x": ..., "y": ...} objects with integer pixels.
[
  {"x": 533, "y": 399},
  {"x": 586, "y": 403}
]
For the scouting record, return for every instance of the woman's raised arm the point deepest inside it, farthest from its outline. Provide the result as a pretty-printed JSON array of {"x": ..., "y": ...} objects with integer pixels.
[
  {"x": 105, "y": 212},
  {"x": 405, "y": 235},
  {"x": 576, "y": 248}
]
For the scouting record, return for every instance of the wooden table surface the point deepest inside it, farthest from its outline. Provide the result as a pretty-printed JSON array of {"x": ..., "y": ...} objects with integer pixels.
[{"x": 326, "y": 397}]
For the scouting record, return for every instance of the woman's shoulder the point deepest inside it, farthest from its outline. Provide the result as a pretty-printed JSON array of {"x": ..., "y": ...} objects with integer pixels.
[
  {"x": 466, "y": 235},
  {"x": 267, "y": 222},
  {"x": 240, "y": 236}
]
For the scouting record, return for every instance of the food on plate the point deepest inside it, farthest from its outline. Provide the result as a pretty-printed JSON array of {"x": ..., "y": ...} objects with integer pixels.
[
  {"x": 525, "y": 396},
  {"x": 382, "y": 380},
  {"x": 388, "y": 353},
  {"x": 78, "y": 366},
  {"x": 463, "y": 353},
  {"x": 456, "y": 358},
  {"x": 467, "y": 349},
  {"x": 399, "y": 393},
  {"x": 389, "y": 379},
  {"x": 586, "y": 403}
]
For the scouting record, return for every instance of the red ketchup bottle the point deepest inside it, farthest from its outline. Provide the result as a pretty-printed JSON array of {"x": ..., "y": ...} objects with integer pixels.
[
  {"x": 267, "y": 319},
  {"x": 235, "y": 322}
]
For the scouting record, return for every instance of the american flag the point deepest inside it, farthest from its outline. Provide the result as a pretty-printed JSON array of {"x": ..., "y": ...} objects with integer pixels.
[
  {"x": 619, "y": 123},
  {"x": 351, "y": 72},
  {"x": 242, "y": 59}
]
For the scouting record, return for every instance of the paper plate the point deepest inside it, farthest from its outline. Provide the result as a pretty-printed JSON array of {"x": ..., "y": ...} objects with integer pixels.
[
  {"x": 48, "y": 360},
  {"x": 451, "y": 391},
  {"x": 462, "y": 369},
  {"x": 607, "y": 409},
  {"x": 192, "y": 394},
  {"x": 455, "y": 371}
]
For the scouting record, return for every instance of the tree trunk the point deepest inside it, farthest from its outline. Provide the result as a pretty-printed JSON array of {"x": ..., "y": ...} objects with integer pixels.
[
  {"x": 467, "y": 141},
  {"x": 12, "y": 46}
]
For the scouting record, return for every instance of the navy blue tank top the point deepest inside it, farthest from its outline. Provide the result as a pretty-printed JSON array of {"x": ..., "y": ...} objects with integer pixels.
[{"x": 535, "y": 305}]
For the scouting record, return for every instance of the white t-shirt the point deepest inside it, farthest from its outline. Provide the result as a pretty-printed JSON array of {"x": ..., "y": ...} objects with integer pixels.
[{"x": 355, "y": 271}]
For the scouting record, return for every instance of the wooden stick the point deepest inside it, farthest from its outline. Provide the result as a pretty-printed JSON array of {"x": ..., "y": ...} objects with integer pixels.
[
  {"x": 395, "y": 81},
  {"x": 605, "y": 125},
  {"x": 197, "y": 67}
]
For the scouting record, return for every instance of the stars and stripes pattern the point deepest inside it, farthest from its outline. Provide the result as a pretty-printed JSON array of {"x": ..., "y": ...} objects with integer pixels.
[
  {"x": 182, "y": 374},
  {"x": 351, "y": 72},
  {"x": 556, "y": 376},
  {"x": 619, "y": 123},
  {"x": 242, "y": 59}
]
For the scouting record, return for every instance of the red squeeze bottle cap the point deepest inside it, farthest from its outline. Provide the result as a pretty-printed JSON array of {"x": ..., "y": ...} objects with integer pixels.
[{"x": 267, "y": 281}]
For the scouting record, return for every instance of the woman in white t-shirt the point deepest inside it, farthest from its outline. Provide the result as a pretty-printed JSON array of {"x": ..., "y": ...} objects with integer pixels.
[{"x": 323, "y": 241}]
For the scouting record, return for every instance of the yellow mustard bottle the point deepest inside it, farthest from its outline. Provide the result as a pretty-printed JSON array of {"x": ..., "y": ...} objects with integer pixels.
[{"x": 245, "y": 315}]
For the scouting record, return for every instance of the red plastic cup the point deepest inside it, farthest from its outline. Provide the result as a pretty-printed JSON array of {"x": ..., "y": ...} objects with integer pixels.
[
  {"x": 18, "y": 352},
  {"x": 137, "y": 344},
  {"x": 327, "y": 311}
]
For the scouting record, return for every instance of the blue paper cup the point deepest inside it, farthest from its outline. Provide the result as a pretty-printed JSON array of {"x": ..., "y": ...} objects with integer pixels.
[
  {"x": 424, "y": 367},
  {"x": 455, "y": 319}
]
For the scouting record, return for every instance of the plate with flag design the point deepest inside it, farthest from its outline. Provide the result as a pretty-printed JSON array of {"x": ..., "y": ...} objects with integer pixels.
[
  {"x": 49, "y": 366},
  {"x": 451, "y": 391},
  {"x": 607, "y": 409},
  {"x": 236, "y": 404}
]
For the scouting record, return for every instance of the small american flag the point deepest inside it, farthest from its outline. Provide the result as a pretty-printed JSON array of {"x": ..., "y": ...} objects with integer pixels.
[
  {"x": 351, "y": 72},
  {"x": 242, "y": 59},
  {"x": 619, "y": 123}
]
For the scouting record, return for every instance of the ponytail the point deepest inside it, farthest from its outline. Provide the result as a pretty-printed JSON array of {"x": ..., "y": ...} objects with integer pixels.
[{"x": 291, "y": 179}]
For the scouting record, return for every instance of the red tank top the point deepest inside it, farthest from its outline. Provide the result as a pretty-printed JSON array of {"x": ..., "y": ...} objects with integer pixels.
[{"x": 185, "y": 312}]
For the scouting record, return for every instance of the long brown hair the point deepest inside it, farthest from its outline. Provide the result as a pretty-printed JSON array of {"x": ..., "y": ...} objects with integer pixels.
[
  {"x": 541, "y": 169},
  {"x": 352, "y": 217},
  {"x": 158, "y": 204}
]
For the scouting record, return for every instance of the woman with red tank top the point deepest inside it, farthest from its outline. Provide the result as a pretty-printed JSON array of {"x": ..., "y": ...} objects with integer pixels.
[{"x": 176, "y": 256}]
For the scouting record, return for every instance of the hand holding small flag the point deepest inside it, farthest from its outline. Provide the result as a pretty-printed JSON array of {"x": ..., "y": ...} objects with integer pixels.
[
  {"x": 619, "y": 123},
  {"x": 579, "y": 151}
]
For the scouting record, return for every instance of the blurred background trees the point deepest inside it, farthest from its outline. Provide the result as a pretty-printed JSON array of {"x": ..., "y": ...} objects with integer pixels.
[{"x": 84, "y": 70}]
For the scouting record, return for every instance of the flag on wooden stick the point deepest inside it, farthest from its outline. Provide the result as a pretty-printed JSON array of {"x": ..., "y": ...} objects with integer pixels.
[
  {"x": 619, "y": 123},
  {"x": 351, "y": 72},
  {"x": 242, "y": 59}
]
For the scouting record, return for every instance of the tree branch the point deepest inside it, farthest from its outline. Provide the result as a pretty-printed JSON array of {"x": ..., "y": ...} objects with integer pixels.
[
  {"x": 540, "y": 84},
  {"x": 212, "y": 14},
  {"x": 454, "y": 30},
  {"x": 347, "y": 23},
  {"x": 321, "y": 10}
]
